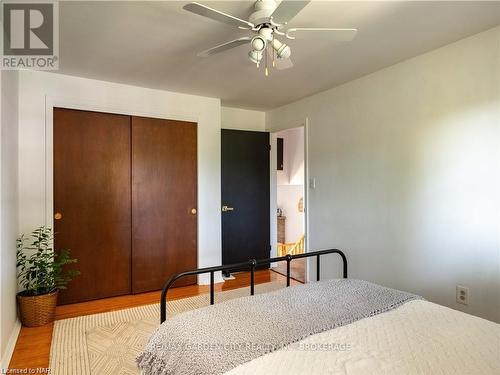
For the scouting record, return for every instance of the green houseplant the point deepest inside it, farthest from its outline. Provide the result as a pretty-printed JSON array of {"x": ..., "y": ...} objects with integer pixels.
[{"x": 41, "y": 274}]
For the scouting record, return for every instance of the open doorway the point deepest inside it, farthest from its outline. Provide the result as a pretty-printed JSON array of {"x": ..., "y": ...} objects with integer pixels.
[{"x": 290, "y": 199}]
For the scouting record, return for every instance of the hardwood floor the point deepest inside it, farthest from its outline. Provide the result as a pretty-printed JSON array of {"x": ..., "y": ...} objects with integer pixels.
[
  {"x": 297, "y": 269},
  {"x": 33, "y": 344}
]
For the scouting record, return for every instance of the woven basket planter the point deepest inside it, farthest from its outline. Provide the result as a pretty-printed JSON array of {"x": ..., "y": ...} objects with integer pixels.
[{"x": 37, "y": 310}]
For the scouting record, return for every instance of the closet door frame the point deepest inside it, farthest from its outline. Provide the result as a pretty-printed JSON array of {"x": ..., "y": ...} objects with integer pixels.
[{"x": 66, "y": 103}]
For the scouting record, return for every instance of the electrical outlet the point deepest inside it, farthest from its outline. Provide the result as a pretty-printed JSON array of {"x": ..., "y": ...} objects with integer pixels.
[{"x": 462, "y": 295}]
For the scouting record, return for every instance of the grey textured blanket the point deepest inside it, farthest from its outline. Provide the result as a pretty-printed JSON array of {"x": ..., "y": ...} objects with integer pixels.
[{"x": 215, "y": 339}]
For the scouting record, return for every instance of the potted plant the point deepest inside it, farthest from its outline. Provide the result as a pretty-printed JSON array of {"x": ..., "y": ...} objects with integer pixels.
[{"x": 41, "y": 274}]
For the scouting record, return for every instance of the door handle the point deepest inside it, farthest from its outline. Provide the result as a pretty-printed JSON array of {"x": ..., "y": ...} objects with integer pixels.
[
  {"x": 227, "y": 208},
  {"x": 58, "y": 216}
]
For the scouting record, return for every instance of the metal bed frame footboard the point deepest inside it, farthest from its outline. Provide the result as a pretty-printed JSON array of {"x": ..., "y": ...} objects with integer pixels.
[{"x": 249, "y": 265}]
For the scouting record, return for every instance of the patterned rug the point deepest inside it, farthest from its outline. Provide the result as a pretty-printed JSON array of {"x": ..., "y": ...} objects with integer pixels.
[{"x": 107, "y": 344}]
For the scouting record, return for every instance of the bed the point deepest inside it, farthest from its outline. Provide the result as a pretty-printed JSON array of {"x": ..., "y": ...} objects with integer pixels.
[{"x": 339, "y": 326}]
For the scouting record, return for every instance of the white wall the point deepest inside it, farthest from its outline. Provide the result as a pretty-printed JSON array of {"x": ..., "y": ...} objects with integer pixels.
[
  {"x": 293, "y": 156},
  {"x": 40, "y": 91},
  {"x": 9, "y": 326},
  {"x": 242, "y": 119},
  {"x": 407, "y": 171},
  {"x": 290, "y": 182}
]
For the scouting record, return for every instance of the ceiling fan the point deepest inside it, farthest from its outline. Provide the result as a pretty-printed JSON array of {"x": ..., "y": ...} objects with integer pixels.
[{"x": 268, "y": 21}]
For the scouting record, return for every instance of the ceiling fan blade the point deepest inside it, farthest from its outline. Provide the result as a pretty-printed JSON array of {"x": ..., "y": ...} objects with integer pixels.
[
  {"x": 225, "y": 46},
  {"x": 287, "y": 10},
  {"x": 340, "y": 35},
  {"x": 217, "y": 15}
]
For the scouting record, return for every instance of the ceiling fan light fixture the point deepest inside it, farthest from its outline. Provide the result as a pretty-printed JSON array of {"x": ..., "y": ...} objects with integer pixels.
[
  {"x": 255, "y": 56},
  {"x": 258, "y": 43},
  {"x": 283, "y": 51}
]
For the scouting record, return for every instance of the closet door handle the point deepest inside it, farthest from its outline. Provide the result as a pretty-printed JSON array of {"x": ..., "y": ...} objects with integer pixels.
[
  {"x": 193, "y": 211},
  {"x": 58, "y": 216}
]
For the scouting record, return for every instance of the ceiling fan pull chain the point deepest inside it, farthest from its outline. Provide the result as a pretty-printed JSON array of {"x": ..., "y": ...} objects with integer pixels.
[
  {"x": 274, "y": 53},
  {"x": 267, "y": 71}
]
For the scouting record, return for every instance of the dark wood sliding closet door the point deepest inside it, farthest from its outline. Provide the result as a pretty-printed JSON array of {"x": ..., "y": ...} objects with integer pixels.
[
  {"x": 164, "y": 201},
  {"x": 92, "y": 200}
]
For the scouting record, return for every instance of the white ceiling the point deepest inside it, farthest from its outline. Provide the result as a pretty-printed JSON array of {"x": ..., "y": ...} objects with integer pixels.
[{"x": 154, "y": 44}]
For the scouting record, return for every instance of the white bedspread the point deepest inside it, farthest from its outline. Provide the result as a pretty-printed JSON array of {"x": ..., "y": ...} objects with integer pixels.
[{"x": 419, "y": 337}]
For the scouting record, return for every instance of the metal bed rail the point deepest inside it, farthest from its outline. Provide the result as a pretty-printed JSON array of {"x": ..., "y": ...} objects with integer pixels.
[{"x": 249, "y": 265}]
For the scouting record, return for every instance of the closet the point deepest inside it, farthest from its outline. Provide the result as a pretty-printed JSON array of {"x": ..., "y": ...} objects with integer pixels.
[{"x": 125, "y": 201}]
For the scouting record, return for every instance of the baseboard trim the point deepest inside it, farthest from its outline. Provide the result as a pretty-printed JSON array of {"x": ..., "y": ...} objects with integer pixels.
[
  {"x": 204, "y": 279},
  {"x": 11, "y": 344}
]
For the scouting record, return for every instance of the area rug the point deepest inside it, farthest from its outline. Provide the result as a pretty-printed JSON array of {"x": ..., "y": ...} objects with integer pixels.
[{"x": 107, "y": 343}]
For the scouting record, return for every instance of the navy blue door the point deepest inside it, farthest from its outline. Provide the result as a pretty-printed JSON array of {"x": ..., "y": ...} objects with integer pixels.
[{"x": 245, "y": 196}]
